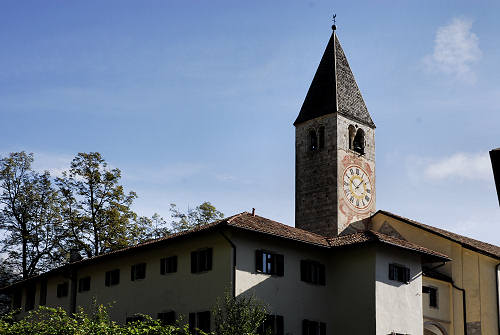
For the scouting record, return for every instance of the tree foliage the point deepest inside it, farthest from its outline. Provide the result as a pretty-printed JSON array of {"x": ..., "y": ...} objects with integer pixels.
[
  {"x": 95, "y": 207},
  {"x": 241, "y": 315},
  {"x": 56, "y": 321},
  {"x": 194, "y": 217},
  {"x": 29, "y": 215},
  {"x": 43, "y": 219}
]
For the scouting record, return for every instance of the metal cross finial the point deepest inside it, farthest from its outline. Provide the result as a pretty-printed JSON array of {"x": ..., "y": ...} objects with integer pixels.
[{"x": 334, "y": 17}]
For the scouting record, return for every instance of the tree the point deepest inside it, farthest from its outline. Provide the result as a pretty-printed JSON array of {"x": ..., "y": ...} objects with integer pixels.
[
  {"x": 150, "y": 228},
  {"x": 200, "y": 215},
  {"x": 241, "y": 315},
  {"x": 29, "y": 215},
  {"x": 7, "y": 277},
  {"x": 95, "y": 207}
]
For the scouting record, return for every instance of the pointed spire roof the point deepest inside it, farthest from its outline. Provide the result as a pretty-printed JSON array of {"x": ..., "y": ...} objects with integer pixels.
[{"x": 334, "y": 89}]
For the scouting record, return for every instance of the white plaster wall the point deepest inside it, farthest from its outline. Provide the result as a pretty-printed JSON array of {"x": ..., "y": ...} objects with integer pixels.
[
  {"x": 288, "y": 296},
  {"x": 182, "y": 292},
  {"x": 398, "y": 305}
]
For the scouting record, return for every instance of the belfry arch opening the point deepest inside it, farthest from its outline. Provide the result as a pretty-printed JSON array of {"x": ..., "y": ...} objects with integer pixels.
[
  {"x": 321, "y": 137},
  {"x": 313, "y": 140},
  {"x": 358, "y": 144},
  {"x": 352, "y": 133}
]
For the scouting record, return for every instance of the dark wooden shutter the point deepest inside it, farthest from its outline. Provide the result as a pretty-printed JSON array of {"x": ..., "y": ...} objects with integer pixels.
[
  {"x": 322, "y": 328},
  {"x": 107, "y": 281},
  {"x": 303, "y": 271},
  {"x": 194, "y": 266},
  {"x": 209, "y": 253},
  {"x": 280, "y": 265},
  {"x": 162, "y": 265},
  {"x": 258, "y": 261},
  {"x": 174, "y": 264},
  {"x": 279, "y": 325},
  {"x": 322, "y": 274},
  {"x": 391, "y": 271},
  {"x": 192, "y": 322},
  {"x": 407, "y": 275},
  {"x": 43, "y": 293},
  {"x": 305, "y": 327}
]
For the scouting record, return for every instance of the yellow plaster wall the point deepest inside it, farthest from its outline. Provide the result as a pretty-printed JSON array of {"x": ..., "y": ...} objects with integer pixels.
[{"x": 468, "y": 269}]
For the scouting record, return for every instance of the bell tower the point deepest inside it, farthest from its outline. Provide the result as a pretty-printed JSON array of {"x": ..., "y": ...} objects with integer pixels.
[{"x": 334, "y": 149}]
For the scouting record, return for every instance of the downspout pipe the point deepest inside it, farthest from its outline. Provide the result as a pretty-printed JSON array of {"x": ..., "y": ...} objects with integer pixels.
[
  {"x": 464, "y": 306},
  {"x": 233, "y": 246},
  {"x": 497, "y": 268}
]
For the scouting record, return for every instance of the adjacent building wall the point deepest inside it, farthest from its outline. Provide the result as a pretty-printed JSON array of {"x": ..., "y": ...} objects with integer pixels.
[
  {"x": 469, "y": 269},
  {"x": 443, "y": 313}
]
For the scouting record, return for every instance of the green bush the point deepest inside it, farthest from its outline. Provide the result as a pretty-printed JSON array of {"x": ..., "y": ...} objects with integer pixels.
[{"x": 56, "y": 321}]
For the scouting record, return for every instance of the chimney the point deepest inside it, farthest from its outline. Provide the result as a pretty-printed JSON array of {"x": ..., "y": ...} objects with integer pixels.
[{"x": 253, "y": 211}]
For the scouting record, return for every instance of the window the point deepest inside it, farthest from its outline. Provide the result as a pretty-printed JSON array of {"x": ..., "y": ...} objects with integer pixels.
[
  {"x": 432, "y": 291},
  {"x": 201, "y": 260},
  {"x": 84, "y": 284},
  {"x": 312, "y": 272},
  {"x": 168, "y": 265},
  {"x": 43, "y": 292},
  {"x": 313, "y": 140},
  {"x": 112, "y": 277},
  {"x": 199, "y": 321},
  {"x": 17, "y": 299},
  {"x": 359, "y": 142},
  {"x": 321, "y": 136},
  {"x": 62, "y": 290},
  {"x": 273, "y": 324},
  {"x": 399, "y": 273},
  {"x": 30, "y": 298},
  {"x": 313, "y": 328},
  {"x": 134, "y": 318},
  {"x": 269, "y": 263},
  {"x": 167, "y": 318},
  {"x": 138, "y": 271}
]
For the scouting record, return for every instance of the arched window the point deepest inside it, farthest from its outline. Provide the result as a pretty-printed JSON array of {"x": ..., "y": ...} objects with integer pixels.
[
  {"x": 313, "y": 140},
  {"x": 359, "y": 142},
  {"x": 321, "y": 135},
  {"x": 352, "y": 133}
]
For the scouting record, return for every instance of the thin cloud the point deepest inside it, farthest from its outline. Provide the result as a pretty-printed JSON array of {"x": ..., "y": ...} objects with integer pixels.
[
  {"x": 465, "y": 166},
  {"x": 456, "y": 49}
]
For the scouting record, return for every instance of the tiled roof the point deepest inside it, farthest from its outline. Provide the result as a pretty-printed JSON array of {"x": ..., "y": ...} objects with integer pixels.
[
  {"x": 470, "y": 243},
  {"x": 254, "y": 223},
  {"x": 260, "y": 224},
  {"x": 334, "y": 89},
  {"x": 373, "y": 236}
]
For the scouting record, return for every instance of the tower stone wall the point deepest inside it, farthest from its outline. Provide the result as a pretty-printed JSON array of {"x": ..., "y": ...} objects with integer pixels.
[{"x": 316, "y": 178}]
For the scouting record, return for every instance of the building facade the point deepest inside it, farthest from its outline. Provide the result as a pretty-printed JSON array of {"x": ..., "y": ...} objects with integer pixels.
[{"x": 344, "y": 268}]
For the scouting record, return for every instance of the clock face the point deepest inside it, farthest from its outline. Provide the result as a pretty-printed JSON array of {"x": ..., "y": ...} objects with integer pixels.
[{"x": 357, "y": 187}]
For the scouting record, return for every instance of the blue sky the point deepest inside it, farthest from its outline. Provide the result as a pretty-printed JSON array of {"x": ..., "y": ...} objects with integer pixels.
[{"x": 195, "y": 101}]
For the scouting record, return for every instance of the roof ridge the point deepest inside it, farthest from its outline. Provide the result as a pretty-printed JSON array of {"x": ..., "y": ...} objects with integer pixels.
[{"x": 232, "y": 217}]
